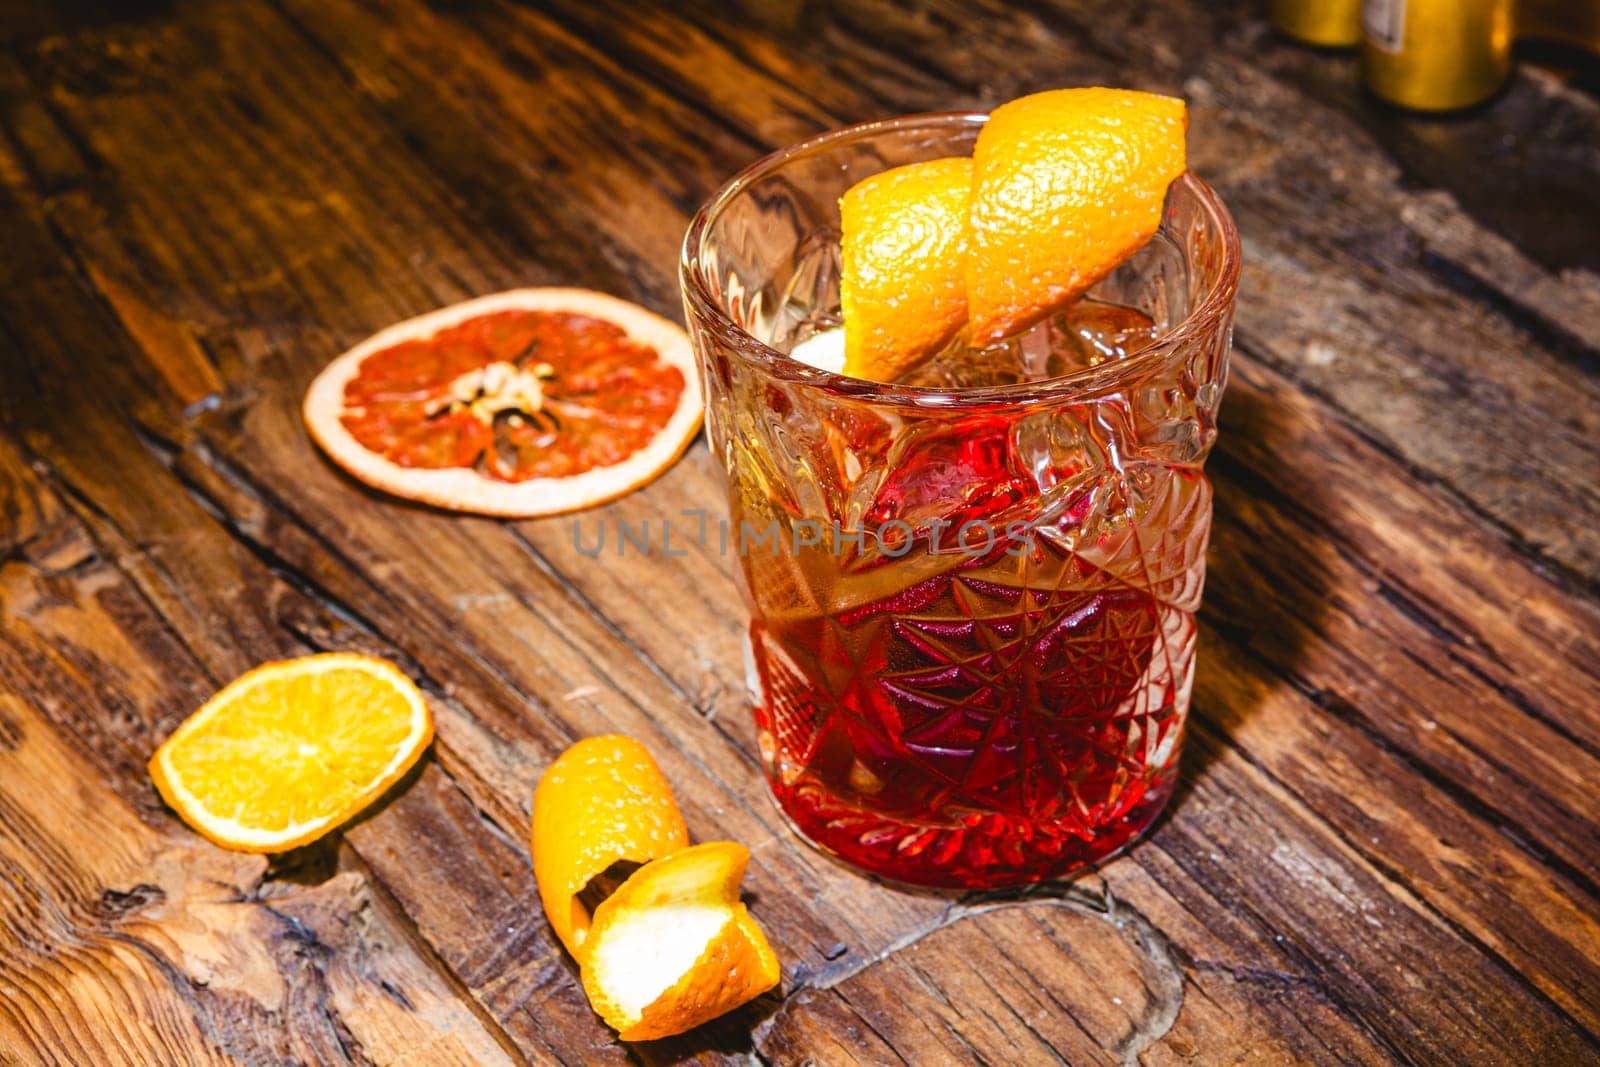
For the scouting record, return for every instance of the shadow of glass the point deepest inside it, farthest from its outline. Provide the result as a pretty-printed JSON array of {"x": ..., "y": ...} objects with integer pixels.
[{"x": 1268, "y": 586}]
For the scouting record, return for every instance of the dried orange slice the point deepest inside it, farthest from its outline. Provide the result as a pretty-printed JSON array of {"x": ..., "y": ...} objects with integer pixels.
[
  {"x": 529, "y": 402},
  {"x": 602, "y": 801},
  {"x": 290, "y": 750},
  {"x": 1065, "y": 186},
  {"x": 674, "y": 946},
  {"x": 903, "y": 247}
]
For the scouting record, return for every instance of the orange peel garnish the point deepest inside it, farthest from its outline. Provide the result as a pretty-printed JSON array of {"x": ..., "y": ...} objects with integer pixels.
[
  {"x": 602, "y": 801},
  {"x": 674, "y": 947},
  {"x": 902, "y": 250},
  {"x": 1063, "y": 186},
  {"x": 1066, "y": 185}
]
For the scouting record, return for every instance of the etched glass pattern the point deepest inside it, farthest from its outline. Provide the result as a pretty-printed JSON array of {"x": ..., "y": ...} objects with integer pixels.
[{"x": 972, "y": 602}]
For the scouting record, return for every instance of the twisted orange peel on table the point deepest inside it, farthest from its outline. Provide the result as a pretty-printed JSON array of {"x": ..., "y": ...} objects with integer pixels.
[{"x": 673, "y": 946}]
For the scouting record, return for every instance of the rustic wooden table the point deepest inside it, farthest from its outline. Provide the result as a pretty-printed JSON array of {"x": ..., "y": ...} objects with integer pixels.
[{"x": 1386, "y": 847}]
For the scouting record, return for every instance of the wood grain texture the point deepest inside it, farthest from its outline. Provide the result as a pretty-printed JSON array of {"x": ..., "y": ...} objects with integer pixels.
[
  {"x": 127, "y": 938},
  {"x": 1385, "y": 849}
]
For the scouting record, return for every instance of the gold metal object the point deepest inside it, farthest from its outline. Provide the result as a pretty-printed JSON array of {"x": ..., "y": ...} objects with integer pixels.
[
  {"x": 1436, "y": 55},
  {"x": 1328, "y": 23}
]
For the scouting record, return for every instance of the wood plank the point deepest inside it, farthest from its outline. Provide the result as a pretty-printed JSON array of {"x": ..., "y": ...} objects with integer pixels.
[
  {"x": 617, "y": 594},
  {"x": 1522, "y": 169},
  {"x": 1569, "y": 674},
  {"x": 1117, "y": 993},
  {"x": 198, "y": 588},
  {"x": 374, "y": 176},
  {"x": 1350, "y": 286},
  {"x": 1244, "y": 950},
  {"x": 470, "y": 587},
  {"x": 453, "y": 923},
  {"x": 128, "y": 489},
  {"x": 124, "y": 939},
  {"x": 1347, "y": 925},
  {"x": 1550, "y": 901}
]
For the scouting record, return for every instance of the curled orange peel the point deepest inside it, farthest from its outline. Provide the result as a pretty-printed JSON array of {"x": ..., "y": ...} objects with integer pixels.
[
  {"x": 674, "y": 947},
  {"x": 602, "y": 801},
  {"x": 1062, "y": 187},
  {"x": 903, "y": 251},
  {"x": 1066, "y": 185}
]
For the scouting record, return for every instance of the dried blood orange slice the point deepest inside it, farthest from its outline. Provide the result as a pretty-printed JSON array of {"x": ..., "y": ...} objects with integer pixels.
[{"x": 528, "y": 402}]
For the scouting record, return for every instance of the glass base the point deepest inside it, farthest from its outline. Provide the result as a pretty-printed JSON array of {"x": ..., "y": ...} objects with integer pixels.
[{"x": 992, "y": 852}]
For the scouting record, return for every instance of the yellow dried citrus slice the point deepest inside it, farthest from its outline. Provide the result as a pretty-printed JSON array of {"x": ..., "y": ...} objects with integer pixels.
[
  {"x": 602, "y": 801},
  {"x": 674, "y": 946},
  {"x": 291, "y": 750}
]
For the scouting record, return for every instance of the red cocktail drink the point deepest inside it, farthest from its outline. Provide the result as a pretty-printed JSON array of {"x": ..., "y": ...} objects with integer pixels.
[{"x": 972, "y": 591}]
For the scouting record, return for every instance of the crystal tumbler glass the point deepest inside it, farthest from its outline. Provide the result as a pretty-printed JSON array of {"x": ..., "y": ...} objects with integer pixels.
[{"x": 972, "y": 600}]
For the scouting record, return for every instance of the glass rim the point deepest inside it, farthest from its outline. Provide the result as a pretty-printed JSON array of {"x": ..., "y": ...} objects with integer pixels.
[{"x": 1207, "y": 312}]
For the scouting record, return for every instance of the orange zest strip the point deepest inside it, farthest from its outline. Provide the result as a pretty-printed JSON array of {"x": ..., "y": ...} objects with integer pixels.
[
  {"x": 903, "y": 248},
  {"x": 602, "y": 801},
  {"x": 1063, "y": 186},
  {"x": 1066, "y": 185},
  {"x": 674, "y": 947}
]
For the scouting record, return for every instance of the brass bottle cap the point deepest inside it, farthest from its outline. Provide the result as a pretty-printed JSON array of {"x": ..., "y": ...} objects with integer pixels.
[{"x": 1328, "y": 23}]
